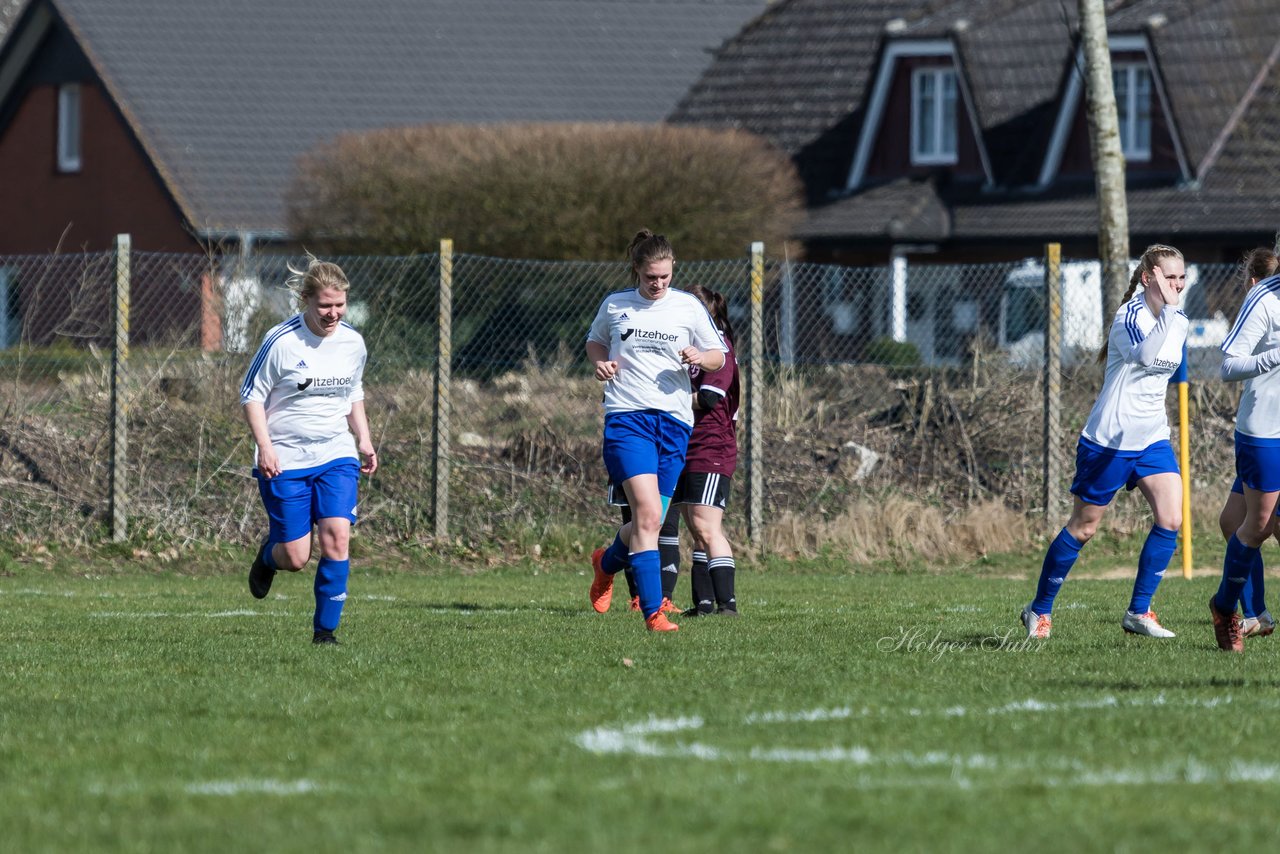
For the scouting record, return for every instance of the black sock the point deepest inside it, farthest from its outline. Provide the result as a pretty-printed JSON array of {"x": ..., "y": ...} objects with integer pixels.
[
  {"x": 669, "y": 554},
  {"x": 721, "y": 571},
  {"x": 700, "y": 580},
  {"x": 632, "y": 590}
]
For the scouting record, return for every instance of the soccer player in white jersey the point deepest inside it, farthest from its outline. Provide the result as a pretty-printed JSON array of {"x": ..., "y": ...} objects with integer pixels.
[
  {"x": 1125, "y": 442},
  {"x": 1251, "y": 353},
  {"x": 1258, "y": 264},
  {"x": 641, "y": 344},
  {"x": 303, "y": 399}
]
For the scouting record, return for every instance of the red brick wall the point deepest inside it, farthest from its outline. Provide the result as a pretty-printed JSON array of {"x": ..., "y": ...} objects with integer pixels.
[{"x": 116, "y": 190}]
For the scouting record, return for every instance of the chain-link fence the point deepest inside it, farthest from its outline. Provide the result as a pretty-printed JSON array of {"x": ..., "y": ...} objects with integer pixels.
[{"x": 874, "y": 383}]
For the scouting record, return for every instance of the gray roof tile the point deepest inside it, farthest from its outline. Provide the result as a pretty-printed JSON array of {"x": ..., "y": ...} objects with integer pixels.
[
  {"x": 796, "y": 71},
  {"x": 228, "y": 94}
]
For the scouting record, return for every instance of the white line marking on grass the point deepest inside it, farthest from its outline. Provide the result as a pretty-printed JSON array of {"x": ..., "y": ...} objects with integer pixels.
[
  {"x": 958, "y": 609},
  {"x": 185, "y": 615},
  {"x": 374, "y": 597},
  {"x": 800, "y": 717},
  {"x": 471, "y": 612},
  {"x": 634, "y": 739},
  {"x": 631, "y": 737},
  {"x": 253, "y": 787}
]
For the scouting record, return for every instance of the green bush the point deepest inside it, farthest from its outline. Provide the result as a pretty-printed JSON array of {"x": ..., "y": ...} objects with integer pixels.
[
  {"x": 893, "y": 354},
  {"x": 550, "y": 192}
]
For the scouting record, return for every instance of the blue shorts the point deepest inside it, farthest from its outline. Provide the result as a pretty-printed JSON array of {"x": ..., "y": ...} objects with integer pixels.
[
  {"x": 1258, "y": 463},
  {"x": 297, "y": 500},
  {"x": 1238, "y": 486},
  {"x": 1100, "y": 472},
  {"x": 645, "y": 442}
]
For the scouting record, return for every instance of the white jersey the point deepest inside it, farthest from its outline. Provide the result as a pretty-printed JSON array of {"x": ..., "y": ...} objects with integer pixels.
[
  {"x": 1143, "y": 351},
  {"x": 306, "y": 383},
  {"x": 645, "y": 338},
  {"x": 1255, "y": 333}
]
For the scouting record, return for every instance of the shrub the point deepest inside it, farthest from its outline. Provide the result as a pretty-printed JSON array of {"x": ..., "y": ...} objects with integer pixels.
[
  {"x": 543, "y": 191},
  {"x": 893, "y": 354}
]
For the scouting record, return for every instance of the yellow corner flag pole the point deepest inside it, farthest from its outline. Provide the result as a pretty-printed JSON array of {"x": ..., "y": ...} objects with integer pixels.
[{"x": 1184, "y": 461}]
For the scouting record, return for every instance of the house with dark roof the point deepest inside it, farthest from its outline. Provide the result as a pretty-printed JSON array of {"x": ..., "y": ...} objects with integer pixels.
[
  {"x": 179, "y": 121},
  {"x": 955, "y": 130}
]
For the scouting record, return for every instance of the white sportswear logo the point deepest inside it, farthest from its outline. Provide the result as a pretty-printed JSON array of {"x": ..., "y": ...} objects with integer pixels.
[{"x": 341, "y": 597}]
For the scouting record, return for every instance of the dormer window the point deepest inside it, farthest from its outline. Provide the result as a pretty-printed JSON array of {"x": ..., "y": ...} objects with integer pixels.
[
  {"x": 933, "y": 116},
  {"x": 1132, "y": 84},
  {"x": 69, "y": 127}
]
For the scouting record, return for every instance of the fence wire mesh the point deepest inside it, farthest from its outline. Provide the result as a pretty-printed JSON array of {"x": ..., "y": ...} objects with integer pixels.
[{"x": 879, "y": 382}]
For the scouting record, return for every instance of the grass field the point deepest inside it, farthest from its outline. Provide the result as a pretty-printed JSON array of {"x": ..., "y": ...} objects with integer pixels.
[{"x": 153, "y": 711}]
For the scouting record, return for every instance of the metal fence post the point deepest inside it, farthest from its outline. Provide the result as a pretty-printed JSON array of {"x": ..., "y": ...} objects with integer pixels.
[
  {"x": 898, "y": 297},
  {"x": 787, "y": 314},
  {"x": 1052, "y": 378},
  {"x": 119, "y": 408},
  {"x": 755, "y": 393},
  {"x": 444, "y": 351}
]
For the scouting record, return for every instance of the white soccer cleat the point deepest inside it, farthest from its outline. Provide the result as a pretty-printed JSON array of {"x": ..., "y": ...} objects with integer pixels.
[
  {"x": 1037, "y": 625},
  {"x": 1257, "y": 627},
  {"x": 1145, "y": 624}
]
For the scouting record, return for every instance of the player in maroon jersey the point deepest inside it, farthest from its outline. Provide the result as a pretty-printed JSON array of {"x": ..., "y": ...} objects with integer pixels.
[{"x": 709, "y": 464}]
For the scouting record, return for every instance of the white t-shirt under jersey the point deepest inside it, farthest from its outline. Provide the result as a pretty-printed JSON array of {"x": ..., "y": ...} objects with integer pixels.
[
  {"x": 1143, "y": 351},
  {"x": 1251, "y": 350},
  {"x": 645, "y": 338},
  {"x": 306, "y": 383}
]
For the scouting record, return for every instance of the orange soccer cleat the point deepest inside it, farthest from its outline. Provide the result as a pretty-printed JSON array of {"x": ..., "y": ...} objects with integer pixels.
[
  {"x": 668, "y": 607},
  {"x": 635, "y": 603},
  {"x": 1226, "y": 629},
  {"x": 601, "y": 584},
  {"x": 659, "y": 623}
]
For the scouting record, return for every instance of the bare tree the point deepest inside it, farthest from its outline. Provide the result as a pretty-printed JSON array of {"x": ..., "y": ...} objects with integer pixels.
[
  {"x": 9, "y": 10},
  {"x": 1108, "y": 158}
]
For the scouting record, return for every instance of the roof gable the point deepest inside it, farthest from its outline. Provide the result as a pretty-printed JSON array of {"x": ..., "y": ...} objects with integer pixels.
[
  {"x": 800, "y": 69},
  {"x": 894, "y": 51},
  {"x": 1073, "y": 101}
]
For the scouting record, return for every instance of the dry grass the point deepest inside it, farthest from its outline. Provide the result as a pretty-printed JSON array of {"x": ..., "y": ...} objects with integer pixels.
[
  {"x": 901, "y": 529},
  {"x": 873, "y": 464}
]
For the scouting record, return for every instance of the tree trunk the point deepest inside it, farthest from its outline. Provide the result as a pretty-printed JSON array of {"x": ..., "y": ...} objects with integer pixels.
[{"x": 1108, "y": 158}]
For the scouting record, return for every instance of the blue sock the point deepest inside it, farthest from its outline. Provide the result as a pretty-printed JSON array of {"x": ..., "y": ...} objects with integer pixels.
[
  {"x": 331, "y": 592},
  {"x": 648, "y": 567},
  {"x": 1156, "y": 553},
  {"x": 1236, "y": 566},
  {"x": 1251, "y": 601},
  {"x": 267, "y": 557},
  {"x": 1255, "y": 589},
  {"x": 1058, "y": 561},
  {"x": 615, "y": 557}
]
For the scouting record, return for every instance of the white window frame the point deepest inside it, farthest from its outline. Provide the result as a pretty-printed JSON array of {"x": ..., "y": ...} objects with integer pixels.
[
  {"x": 69, "y": 127},
  {"x": 1125, "y": 77},
  {"x": 933, "y": 151}
]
